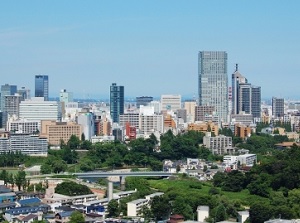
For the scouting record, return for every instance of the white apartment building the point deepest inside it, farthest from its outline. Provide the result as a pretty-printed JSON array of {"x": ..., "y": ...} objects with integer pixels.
[
  {"x": 202, "y": 213},
  {"x": 247, "y": 159},
  {"x": 27, "y": 144},
  {"x": 38, "y": 109},
  {"x": 156, "y": 105},
  {"x": 151, "y": 123},
  {"x": 134, "y": 207},
  {"x": 170, "y": 102},
  {"x": 86, "y": 120},
  {"x": 132, "y": 118},
  {"x": 23, "y": 126},
  {"x": 95, "y": 139},
  {"x": 219, "y": 144},
  {"x": 228, "y": 160}
]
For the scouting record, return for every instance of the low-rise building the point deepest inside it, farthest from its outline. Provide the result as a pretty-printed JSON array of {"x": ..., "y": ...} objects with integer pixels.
[
  {"x": 242, "y": 131},
  {"x": 31, "y": 145},
  {"x": 134, "y": 207},
  {"x": 218, "y": 144},
  {"x": 247, "y": 159},
  {"x": 204, "y": 127},
  {"x": 202, "y": 213},
  {"x": 242, "y": 216}
]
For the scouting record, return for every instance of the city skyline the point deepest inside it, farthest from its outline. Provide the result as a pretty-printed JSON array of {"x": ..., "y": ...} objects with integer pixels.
[{"x": 84, "y": 47}]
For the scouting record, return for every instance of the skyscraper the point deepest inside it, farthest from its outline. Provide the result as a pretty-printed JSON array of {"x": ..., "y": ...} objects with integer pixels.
[
  {"x": 116, "y": 101},
  {"x": 245, "y": 97},
  {"x": 277, "y": 107},
  {"x": 42, "y": 86},
  {"x": 213, "y": 81},
  {"x": 237, "y": 79},
  {"x": 5, "y": 91}
]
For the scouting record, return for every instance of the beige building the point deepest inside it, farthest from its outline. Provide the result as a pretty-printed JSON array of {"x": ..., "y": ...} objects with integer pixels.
[
  {"x": 242, "y": 131},
  {"x": 190, "y": 110},
  {"x": 204, "y": 127},
  {"x": 57, "y": 131}
]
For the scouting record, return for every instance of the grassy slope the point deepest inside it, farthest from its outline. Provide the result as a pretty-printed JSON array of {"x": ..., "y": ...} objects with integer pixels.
[{"x": 182, "y": 185}]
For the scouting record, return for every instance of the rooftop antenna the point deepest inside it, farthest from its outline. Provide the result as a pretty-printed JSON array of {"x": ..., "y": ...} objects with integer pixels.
[{"x": 236, "y": 67}]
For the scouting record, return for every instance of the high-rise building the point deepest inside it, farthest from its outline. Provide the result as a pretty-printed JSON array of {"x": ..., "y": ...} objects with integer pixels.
[
  {"x": 190, "y": 106},
  {"x": 116, "y": 101},
  {"x": 42, "y": 86},
  {"x": 213, "y": 81},
  {"x": 246, "y": 98},
  {"x": 144, "y": 100},
  {"x": 5, "y": 91},
  {"x": 11, "y": 107},
  {"x": 237, "y": 79},
  {"x": 25, "y": 93},
  {"x": 65, "y": 96},
  {"x": 277, "y": 107}
]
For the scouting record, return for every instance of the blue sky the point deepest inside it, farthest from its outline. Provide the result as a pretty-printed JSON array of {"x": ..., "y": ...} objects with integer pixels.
[{"x": 150, "y": 47}]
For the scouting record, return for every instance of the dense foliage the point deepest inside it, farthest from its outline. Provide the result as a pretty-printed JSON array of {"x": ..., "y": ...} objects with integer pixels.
[
  {"x": 12, "y": 159},
  {"x": 70, "y": 188}
]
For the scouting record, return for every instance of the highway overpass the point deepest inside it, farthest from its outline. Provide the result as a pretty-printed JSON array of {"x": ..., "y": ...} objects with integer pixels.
[{"x": 122, "y": 174}]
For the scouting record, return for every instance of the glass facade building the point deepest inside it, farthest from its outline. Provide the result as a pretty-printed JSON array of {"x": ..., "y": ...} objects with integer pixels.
[
  {"x": 42, "y": 86},
  {"x": 116, "y": 102},
  {"x": 213, "y": 81},
  {"x": 245, "y": 97}
]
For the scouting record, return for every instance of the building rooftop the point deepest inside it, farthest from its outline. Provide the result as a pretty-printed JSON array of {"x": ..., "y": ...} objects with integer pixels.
[
  {"x": 138, "y": 201},
  {"x": 29, "y": 201}
]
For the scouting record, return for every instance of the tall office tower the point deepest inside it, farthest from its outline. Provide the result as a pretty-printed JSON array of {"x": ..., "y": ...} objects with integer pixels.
[
  {"x": 170, "y": 102},
  {"x": 213, "y": 81},
  {"x": 11, "y": 107},
  {"x": 25, "y": 93},
  {"x": 277, "y": 107},
  {"x": 237, "y": 79},
  {"x": 249, "y": 100},
  {"x": 245, "y": 97},
  {"x": 116, "y": 101},
  {"x": 42, "y": 86},
  {"x": 7, "y": 90},
  {"x": 65, "y": 96},
  {"x": 256, "y": 102},
  {"x": 144, "y": 100}
]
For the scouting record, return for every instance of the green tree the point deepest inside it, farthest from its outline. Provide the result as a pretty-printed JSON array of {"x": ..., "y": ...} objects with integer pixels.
[
  {"x": 76, "y": 217},
  {"x": 235, "y": 181},
  {"x": 4, "y": 176},
  {"x": 260, "y": 212},
  {"x": 113, "y": 208},
  {"x": 219, "y": 179},
  {"x": 160, "y": 208},
  {"x": 46, "y": 169},
  {"x": 72, "y": 188},
  {"x": 20, "y": 179},
  {"x": 220, "y": 213},
  {"x": 74, "y": 142},
  {"x": 86, "y": 165}
]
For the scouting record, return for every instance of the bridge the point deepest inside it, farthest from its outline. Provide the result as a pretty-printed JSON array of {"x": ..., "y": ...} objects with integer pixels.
[
  {"x": 98, "y": 174},
  {"x": 123, "y": 174}
]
